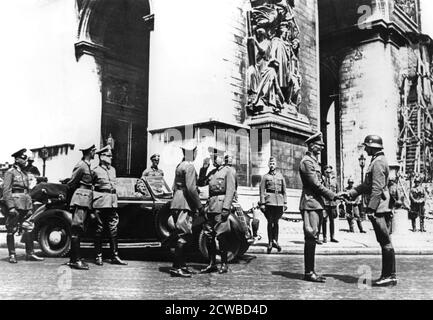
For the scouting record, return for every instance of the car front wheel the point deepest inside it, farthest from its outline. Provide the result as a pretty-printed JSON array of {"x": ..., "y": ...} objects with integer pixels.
[{"x": 55, "y": 238}]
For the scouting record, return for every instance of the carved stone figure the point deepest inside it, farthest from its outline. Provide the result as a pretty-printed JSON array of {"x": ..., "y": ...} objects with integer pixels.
[
  {"x": 274, "y": 36},
  {"x": 269, "y": 92}
]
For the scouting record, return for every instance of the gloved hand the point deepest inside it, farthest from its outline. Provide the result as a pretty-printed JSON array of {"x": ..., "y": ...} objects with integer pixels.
[
  {"x": 225, "y": 214},
  {"x": 13, "y": 212},
  {"x": 262, "y": 208}
]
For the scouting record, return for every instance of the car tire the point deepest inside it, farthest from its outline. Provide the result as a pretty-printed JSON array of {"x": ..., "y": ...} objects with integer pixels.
[
  {"x": 163, "y": 226},
  {"x": 54, "y": 237},
  {"x": 233, "y": 252}
]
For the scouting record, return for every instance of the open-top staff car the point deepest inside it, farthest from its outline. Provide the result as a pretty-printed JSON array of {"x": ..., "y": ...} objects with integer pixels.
[{"x": 143, "y": 219}]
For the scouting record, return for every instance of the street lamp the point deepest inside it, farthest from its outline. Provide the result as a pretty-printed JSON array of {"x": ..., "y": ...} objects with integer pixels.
[
  {"x": 362, "y": 161},
  {"x": 44, "y": 157}
]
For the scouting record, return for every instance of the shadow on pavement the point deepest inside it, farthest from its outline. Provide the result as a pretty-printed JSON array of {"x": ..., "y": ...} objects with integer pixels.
[
  {"x": 342, "y": 278},
  {"x": 289, "y": 275}
]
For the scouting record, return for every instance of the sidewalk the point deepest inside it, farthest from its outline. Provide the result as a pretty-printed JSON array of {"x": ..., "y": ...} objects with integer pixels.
[{"x": 291, "y": 239}]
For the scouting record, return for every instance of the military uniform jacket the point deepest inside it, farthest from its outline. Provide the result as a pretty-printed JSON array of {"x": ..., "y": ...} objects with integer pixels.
[
  {"x": 16, "y": 189},
  {"x": 104, "y": 193},
  {"x": 417, "y": 198},
  {"x": 185, "y": 192},
  {"x": 375, "y": 186},
  {"x": 222, "y": 188},
  {"x": 152, "y": 172},
  {"x": 273, "y": 190},
  {"x": 81, "y": 185},
  {"x": 313, "y": 188},
  {"x": 331, "y": 184},
  {"x": 354, "y": 202}
]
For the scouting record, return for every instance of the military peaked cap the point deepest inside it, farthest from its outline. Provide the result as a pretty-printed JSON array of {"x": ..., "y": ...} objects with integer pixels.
[
  {"x": 20, "y": 154},
  {"x": 315, "y": 138}
]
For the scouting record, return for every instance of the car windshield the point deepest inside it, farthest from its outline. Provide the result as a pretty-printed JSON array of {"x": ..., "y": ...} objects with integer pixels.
[{"x": 159, "y": 187}]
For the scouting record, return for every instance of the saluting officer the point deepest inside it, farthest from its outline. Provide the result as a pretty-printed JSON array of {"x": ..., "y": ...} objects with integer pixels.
[
  {"x": 312, "y": 202},
  {"x": 377, "y": 198},
  {"x": 186, "y": 201},
  {"x": 82, "y": 187},
  {"x": 273, "y": 201},
  {"x": 105, "y": 205},
  {"x": 222, "y": 188},
  {"x": 19, "y": 204},
  {"x": 417, "y": 204},
  {"x": 153, "y": 171}
]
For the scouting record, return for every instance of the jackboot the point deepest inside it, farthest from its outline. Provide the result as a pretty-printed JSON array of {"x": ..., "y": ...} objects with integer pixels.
[
  {"x": 30, "y": 254},
  {"x": 275, "y": 233},
  {"x": 361, "y": 229},
  {"x": 10, "y": 240},
  {"x": 350, "y": 221},
  {"x": 98, "y": 250},
  {"x": 224, "y": 268},
  {"x": 324, "y": 230},
  {"x": 211, "y": 249},
  {"x": 413, "y": 225},
  {"x": 75, "y": 259},
  {"x": 309, "y": 253},
  {"x": 114, "y": 253},
  {"x": 270, "y": 236},
  {"x": 421, "y": 222}
]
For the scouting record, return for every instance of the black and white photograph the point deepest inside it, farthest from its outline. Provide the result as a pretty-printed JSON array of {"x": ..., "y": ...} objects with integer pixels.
[{"x": 232, "y": 152}]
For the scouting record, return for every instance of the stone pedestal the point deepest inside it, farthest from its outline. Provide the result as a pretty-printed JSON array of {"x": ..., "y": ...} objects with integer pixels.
[{"x": 283, "y": 138}]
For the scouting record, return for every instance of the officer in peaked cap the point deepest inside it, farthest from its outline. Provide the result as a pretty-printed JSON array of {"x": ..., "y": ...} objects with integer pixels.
[
  {"x": 105, "y": 205},
  {"x": 19, "y": 204},
  {"x": 312, "y": 202},
  {"x": 222, "y": 189},
  {"x": 186, "y": 201},
  {"x": 81, "y": 185},
  {"x": 377, "y": 199},
  {"x": 153, "y": 171},
  {"x": 30, "y": 168}
]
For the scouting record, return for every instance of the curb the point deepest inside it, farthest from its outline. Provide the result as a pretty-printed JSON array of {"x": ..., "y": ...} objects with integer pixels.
[{"x": 344, "y": 251}]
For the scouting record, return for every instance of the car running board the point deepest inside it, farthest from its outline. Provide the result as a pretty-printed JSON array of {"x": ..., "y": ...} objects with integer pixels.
[{"x": 125, "y": 245}]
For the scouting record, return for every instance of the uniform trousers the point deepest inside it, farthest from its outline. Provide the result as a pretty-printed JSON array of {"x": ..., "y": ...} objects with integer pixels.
[
  {"x": 311, "y": 227},
  {"x": 382, "y": 224}
]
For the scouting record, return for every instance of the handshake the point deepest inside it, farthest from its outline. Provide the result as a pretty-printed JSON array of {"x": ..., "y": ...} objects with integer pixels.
[{"x": 344, "y": 196}]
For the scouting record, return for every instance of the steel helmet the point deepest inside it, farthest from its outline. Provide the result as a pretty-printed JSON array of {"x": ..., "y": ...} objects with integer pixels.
[{"x": 373, "y": 141}]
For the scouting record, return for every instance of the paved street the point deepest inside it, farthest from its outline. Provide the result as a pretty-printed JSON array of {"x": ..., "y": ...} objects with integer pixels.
[{"x": 257, "y": 277}]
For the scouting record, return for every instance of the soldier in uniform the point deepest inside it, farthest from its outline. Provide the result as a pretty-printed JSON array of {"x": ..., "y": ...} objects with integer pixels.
[
  {"x": 186, "y": 201},
  {"x": 330, "y": 206},
  {"x": 273, "y": 202},
  {"x": 30, "y": 168},
  {"x": 153, "y": 171},
  {"x": 352, "y": 209},
  {"x": 417, "y": 204},
  {"x": 222, "y": 188},
  {"x": 377, "y": 198},
  {"x": 105, "y": 205},
  {"x": 312, "y": 202},
  {"x": 82, "y": 187},
  {"x": 19, "y": 205}
]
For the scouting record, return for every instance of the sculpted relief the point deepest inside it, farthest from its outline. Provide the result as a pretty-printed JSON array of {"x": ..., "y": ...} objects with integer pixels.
[{"x": 273, "y": 77}]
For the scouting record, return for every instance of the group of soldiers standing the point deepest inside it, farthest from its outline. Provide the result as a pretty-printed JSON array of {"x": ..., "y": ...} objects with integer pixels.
[{"x": 93, "y": 192}]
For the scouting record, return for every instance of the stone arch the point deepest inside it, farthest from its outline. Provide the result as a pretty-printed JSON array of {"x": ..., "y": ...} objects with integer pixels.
[{"x": 116, "y": 33}]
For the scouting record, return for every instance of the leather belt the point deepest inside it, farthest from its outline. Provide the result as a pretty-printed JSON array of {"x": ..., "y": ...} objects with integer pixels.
[
  {"x": 19, "y": 190},
  {"x": 83, "y": 186},
  {"x": 273, "y": 191},
  {"x": 217, "y": 194},
  {"x": 113, "y": 191}
]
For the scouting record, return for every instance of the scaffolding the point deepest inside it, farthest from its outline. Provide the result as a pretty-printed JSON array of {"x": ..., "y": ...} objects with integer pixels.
[{"x": 416, "y": 121}]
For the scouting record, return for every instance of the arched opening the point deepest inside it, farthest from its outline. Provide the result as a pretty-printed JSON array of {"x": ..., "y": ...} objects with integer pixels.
[{"x": 118, "y": 32}]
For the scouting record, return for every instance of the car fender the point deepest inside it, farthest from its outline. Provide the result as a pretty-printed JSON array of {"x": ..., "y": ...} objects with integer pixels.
[{"x": 43, "y": 213}]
